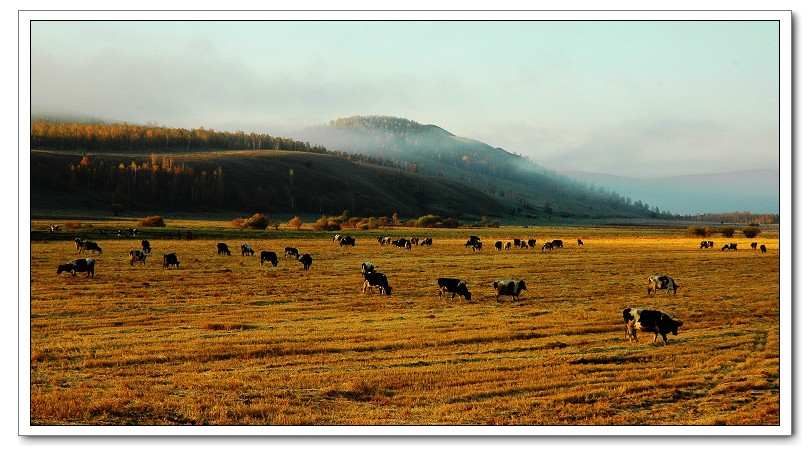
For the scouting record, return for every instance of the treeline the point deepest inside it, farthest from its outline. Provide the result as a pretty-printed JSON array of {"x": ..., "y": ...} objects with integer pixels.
[{"x": 738, "y": 217}]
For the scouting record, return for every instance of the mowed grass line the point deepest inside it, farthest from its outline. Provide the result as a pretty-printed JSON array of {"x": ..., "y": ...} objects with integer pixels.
[{"x": 225, "y": 341}]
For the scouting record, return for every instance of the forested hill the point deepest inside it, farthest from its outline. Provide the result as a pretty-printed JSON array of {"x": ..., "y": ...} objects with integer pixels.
[{"x": 431, "y": 150}]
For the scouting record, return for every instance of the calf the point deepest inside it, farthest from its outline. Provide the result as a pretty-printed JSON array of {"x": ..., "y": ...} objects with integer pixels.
[
  {"x": 170, "y": 259},
  {"x": 306, "y": 260},
  {"x": 649, "y": 321},
  {"x": 291, "y": 251},
  {"x": 268, "y": 256},
  {"x": 762, "y": 248},
  {"x": 509, "y": 288},
  {"x": 655, "y": 283},
  {"x": 366, "y": 267},
  {"x": 87, "y": 265},
  {"x": 223, "y": 249},
  {"x": 246, "y": 249},
  {"x": 455, "y": 286},
  {"x": 145, "y": 246},
  {"x": 376, "y": 279},
  {"x": 137, "y": 256}
]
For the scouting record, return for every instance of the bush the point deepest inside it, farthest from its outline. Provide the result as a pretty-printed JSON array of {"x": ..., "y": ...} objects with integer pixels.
[
  {"x": 726, "y": 231},
  {"x": 327, "y": 224},
  {"x": 152, "y": 220},
  {"x": 697, "y": 231},
  {"x": 751, "y": 231},
  {"x": 295, "y": 223},
  {"x": 256, "y": 222}
]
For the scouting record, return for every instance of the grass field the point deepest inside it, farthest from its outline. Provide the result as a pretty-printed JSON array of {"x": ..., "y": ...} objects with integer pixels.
[{"x": 225, "y": 341}]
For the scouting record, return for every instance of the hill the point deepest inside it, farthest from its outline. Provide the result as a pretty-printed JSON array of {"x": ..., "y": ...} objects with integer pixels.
[{"x": 431, "y": 150}]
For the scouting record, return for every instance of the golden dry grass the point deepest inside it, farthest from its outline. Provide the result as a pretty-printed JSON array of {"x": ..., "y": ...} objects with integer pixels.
[{"x": 225, "y": 341}]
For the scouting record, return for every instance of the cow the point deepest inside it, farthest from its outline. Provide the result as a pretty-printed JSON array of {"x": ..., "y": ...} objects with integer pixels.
[
  {"x": 516, "y": 243},
  {"x": 366, "y": 267},
  {"x": 338, "y": 237},
  {"x": 477, "y": 246},
  {"x": 649, "y": 321},
  {"x": 89, "y": 245},
  {"x": 54, "y": 228},
  {"x": 532, "y": 242},
  {"x": 498, "y": 245},
  {"x": 509, "y": 288},
  {"x": 246, "y": 249},
  {"x": 704, "y": 245},
  {"x": 730, "y": 246},
  {"x": 753, "y": 246},
  {"x": 547, "y": 246},
  {"x": 145, "y": 246},
  {"x": 376, "y": 279},
  {"x": 661, "y": 282},
  {"x": 170, "y": 259},
  {"x": 223, "y": 249},
  {"x": 137, "y": 256},
  {"x": 268, "y": 256},
  {"x": 579, "y": 242},
  {"x": 557, "y": 243},
  {"x": 401, "y": 242},
  {"x": 87, "y": 265},
  {"x": 455, "y": 286},
  {"x": 306, "y": 260},
  {"x": 348, "y": 240},
  {"x": 387, "y": 240},
  {"x": 291, "y": 251},
  {"x": 427, "y": 241},
  {"x": 711, "y": 244},
  {"x": 415, "y": 241},
  {"x": 79, "y": 244},
  {"x": 132, "y": 231},
  {"x": 762, "y": 248},
  {"x": 507, "y": 246},
  {"x": 524, "y": 245}
]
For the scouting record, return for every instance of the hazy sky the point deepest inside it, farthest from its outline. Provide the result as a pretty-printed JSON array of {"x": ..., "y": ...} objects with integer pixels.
[{"x": 634, "y": 98}]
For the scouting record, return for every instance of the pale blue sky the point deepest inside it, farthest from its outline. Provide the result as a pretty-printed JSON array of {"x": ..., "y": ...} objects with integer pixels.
[{"x": 634, "y": 98}]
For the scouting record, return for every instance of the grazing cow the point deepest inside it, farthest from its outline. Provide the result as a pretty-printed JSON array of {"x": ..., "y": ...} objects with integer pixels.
[
  {"x": 524, "y": 245},
  {"x": 306, "y": 260},
  {"x": 427, "y": 241},
  {"x": 762, "y": 248},
  {"x": 223, "y": 249},
  {"x": 507, "y": 246},
  {"x": 477, "y": 246},
  {"x": 54, "y": 228},
  {"x": 474, "y": 238},
  {"x": 348, "y": 240},
  {"x": 516, "y": 242},
  {"x": 509, "y": 288},
  {"x": 170, "y": 259},
  {"x": 661, "y": 282},
  {"x": 366, "y": 267},
  {"x": 649, "y": 321},
  {"x": 753, "y": 246},
  {"x": 87, "y": 265},
  {"x": 132, "y": 231},
  {"x": 401, "y": 242},
  {"x": 376, "y": 279},
  {"x": 387, "y": 240},
  {"x": 79, "y": 244},
  {"x": 137, "y": 256},
  {"x": 338, "y": 237},
  {"x": 730, "y": 246},
  {"x": 498, "y": 245},
  {"x": 557, "y": 243},
  {"x": 704, "y": 245},
  {"x": 291, "y": 251},
  {"x": 532, "y": 242},
  {"x": 145, "y": 246},
  {"x": 89, "y": 245},
  {"x": 455, "y": 286},
  {"x": 415, "y": 241},
  {"x": 246, "y": 249},
  {"x": 547, "y": 246},
  {"x": 268, "y": 256},
  {"x": 579, "y": 242}
]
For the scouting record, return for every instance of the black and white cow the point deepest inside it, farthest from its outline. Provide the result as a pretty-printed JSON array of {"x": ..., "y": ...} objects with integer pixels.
[
  {"x": 223, "y": 249},
  {"x": 427, "y": 241},
  {"x": 509, "y": 288},
  {"x": 649, "y": 321},
  {"x": 661, "y": 282},
  {"x": 87, "y": 265},
  {"x": 291, "y": 251},
  {"x": 579, "y": 242},
  {"x": 477, "y": 246},
  {"x": 79, "y": 244},
  {"x": 454, "y": 286},
  {"x": 524, "y": 245},
  {"x": 268, "y": 256},
  {"x": 532, "y": 242},
  {"x": 170, "y": 259},
  {"x": 348, "y": 240},
  {"x": 762, "y": 248},
  {"x": 376, "y": 279},
  {"x": 498, "y": 245},
  {"x": 137, "y": 256},
  {"x": 89, "y": 245},
  {"x": 246, "y": 249},
  {"x": 730, "y": 246},
  {"x": 338, "y": 237},
  {"x": 753, "y": 246},
  {"x": 547, "y": 246},
  {"x": 54, "y": 228},
  {"x": 306, "y": 260},
  {"x": 145, "y": 246},
  {"x": 557, "y": 243},
  {"x": 366, "y": 267},
  {"x": 704, "y": 245}
]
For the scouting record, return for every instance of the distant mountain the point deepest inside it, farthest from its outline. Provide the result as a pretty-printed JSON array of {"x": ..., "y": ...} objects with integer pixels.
[
  {"x": 756, "y": 191},
  {"x": 533, "y": 190}
]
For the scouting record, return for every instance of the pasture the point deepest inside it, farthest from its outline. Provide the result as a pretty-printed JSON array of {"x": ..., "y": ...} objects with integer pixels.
[{"x": 225, "y": 341}]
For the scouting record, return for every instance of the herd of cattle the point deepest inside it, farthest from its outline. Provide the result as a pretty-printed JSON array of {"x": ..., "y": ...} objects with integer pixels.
[{"x": 635, "y": 319}]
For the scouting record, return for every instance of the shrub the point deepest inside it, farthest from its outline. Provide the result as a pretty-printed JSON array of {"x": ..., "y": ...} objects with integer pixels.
[
  {"x": 428, "y": 221},
  {"x": 295, "y": 223},
  {"x": 751, "y": 231},
  {"x": 697, "y": 231},
  {"x": 152, "y": 220},
  {"x": 726, "y": 231},
  {"x": 256, "y": 222},
  {"x": 327, "y": 224}
]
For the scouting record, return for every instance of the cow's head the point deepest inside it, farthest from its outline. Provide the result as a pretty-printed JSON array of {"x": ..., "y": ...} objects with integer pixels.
[
  {"x": 521, "y": 285},
  {"x": 669, "y": 324},
  {"x": 675, "y": 288},
  {"x": 64, "y": 267},
  {"x": 462, "y": 290}
]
